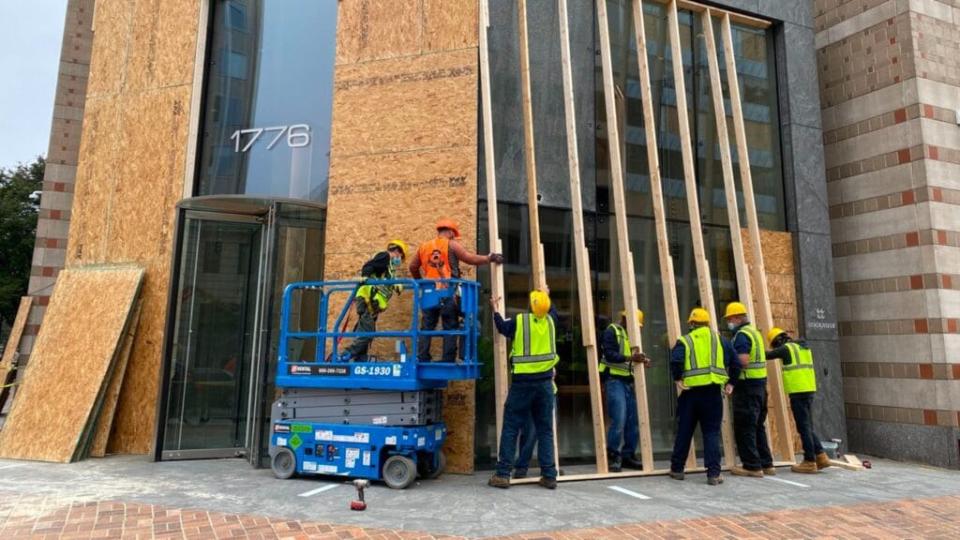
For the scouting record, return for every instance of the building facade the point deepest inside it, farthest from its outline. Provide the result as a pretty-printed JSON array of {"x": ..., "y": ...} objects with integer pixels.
[{"x": 232, "y": 146}]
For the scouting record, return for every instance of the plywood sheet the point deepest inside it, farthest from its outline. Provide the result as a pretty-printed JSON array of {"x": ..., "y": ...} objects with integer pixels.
[
  {"x": 413, "y": 102},
  {"x": 110, "y": 41},
  {"x": 377, "y": 29},
  {"x": 73, "y": 355},
  {"x": 449, "y": 24},
  {"x": 104, "y": 423},
  {"x": 459, "y": 413},
  {"x": 161, "y": 53},
  {"x": 16, "y": 331}
]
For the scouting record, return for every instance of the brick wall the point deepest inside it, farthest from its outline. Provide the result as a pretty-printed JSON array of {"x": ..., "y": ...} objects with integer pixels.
[{"x": 890, "y": 85}]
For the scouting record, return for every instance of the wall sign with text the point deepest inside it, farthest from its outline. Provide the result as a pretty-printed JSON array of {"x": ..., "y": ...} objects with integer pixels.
[{"x": 297, "y": 136}]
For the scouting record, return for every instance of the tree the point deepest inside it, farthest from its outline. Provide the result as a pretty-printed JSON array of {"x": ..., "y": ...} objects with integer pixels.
[{"x": 19, "y": 205}]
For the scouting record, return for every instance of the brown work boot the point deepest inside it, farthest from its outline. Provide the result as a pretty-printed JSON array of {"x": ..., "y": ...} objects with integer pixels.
[
  {"x": 548, "y": 482},
  {"x": 714, "y": 480},
  {"x": 807, "y": 467},
  {"x": 823, "y": 461},
  {"x": 676, "y": 475},
  {"x": 740, "y": 471},
  {"x": 770, "y": 471},
  {"x": 497, "y": 481}
]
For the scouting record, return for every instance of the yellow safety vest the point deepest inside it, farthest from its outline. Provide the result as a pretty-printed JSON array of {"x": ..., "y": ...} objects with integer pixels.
[
  {"x": 621, "y": 369},
  {"x": 799, "y": 376},
  {"x": 380, "y": 293},
  {"x": 534, "y": 345},
  {"x": 757, "y": 367},
  {"x": 703, "y": 358}
]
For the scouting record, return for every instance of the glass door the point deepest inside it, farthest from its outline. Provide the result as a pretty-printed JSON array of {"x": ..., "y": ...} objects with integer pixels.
[{"x": 214, "y": 348}]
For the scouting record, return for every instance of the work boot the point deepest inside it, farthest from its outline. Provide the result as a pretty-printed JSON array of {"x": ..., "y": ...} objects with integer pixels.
[
  {"x": 770, "y": 471},
  {"x": 548, "y": 482},
  {"x": 740, "y": 471},
  {"x": 676, "y": 475},
  {"x": 498, "y": 481},
  {"x": 520, "y": 473},
  {"x": 807, "y": 467},
  {"x": 823, "y": 461},
  {"x": 631, "y": 462},
  {"x": 613, "y": 462},
  {"x": 714, "y": 480}
]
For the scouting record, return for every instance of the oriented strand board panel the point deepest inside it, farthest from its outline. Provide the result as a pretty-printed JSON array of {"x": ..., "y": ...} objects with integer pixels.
[
  {"x": 158, "y": 44},
  {"x": 104, "y": 423},
  {"x": 71, "y": 360},
  {"x": 108, "y": 68},
  {"x": 16, "y": 331},
  {"x": 405, "y": 137}
]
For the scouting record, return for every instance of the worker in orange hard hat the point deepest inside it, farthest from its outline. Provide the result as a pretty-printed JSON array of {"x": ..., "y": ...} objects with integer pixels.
[
  {"x": 702, "y": 363},
  {"x": 440, "y": 258},
  {"x": 617, "y": 363},
  {"x": 533, "y": 356},
  {"x": 372, "y": 300}
]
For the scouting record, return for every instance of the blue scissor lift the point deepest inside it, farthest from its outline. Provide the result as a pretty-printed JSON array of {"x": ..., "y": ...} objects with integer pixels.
[{"x": 375, "y": 419}]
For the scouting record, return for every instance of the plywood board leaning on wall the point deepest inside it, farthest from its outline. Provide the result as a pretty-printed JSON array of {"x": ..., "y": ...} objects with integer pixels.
[
  {"x": 88, "y": 315},
  {"x": 10, "y": 361}
]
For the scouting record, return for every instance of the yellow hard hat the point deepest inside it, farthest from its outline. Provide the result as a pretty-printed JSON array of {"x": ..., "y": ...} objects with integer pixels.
[
  {"x": 774, "y": 333},
  {"x": 404, "y": 249},
  {"x": 698, "y": 315},
  {"x": 539, "y": 303},
  {"x": 734, "y": 309},
  {"x": 623, "y": 315}
]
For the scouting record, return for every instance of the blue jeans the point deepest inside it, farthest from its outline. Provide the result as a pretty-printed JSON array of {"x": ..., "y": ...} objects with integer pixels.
[
  {"x": 801, "y": 404},
  {"x": 528, "y": 399},
  {"x": 448, "y": 314},
  {"x": 528, "y": 441},
  {"x": 702, "y": 404},
  {"x": 622, "y": 409}
]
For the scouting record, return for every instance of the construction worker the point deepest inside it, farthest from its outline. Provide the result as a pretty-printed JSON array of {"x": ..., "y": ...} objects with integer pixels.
[
  {"x": 533, "y": 356},
  {"x": 701, "y": 364},
  {"x": 440, "y": 258},
  {"x": 371, "y": 300},
  {"x": 800, "y": 383},
  {"x": 527, "y": 440},
  {"x": 616, "y": 371},
  {"x": 750, "y": 395}
]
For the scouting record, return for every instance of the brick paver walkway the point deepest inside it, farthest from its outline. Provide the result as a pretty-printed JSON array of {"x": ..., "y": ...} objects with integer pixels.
[{"x": 924, "y": 518}]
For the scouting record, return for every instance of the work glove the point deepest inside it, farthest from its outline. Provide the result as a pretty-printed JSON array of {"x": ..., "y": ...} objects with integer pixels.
[
  {"x": 495, "y": 258},
  {"x": 397, "y": 289}
]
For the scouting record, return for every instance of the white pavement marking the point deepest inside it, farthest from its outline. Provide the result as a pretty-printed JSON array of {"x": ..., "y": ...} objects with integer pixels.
[
  {"x": 791, "y": 482},
  {"x": 12, "y": 466},
  {"x": 626, "y": 491},
  {"x": 313, "y": 492}
]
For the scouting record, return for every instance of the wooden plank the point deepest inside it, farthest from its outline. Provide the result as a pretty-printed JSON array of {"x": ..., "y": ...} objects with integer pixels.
[
  {"x": 11, "y": 353},
  {"x": 582, "y": 256},
  {"x": 624, "y": 474},
  {"x": 72, "y": 358},
  {"x": 529, "y": 151},
  {"x": 781, "y": 446},
  {"x": 730, "y": 192},
  {"x": 625, "y": 256},
  {"x": 500, "y": 375},
  {"x": 739, "y": 18},
  {"x": 101, "y": 432}
]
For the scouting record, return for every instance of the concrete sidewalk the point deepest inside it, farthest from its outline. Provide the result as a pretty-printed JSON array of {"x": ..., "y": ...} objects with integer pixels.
[{"x": 452, "y": 505}]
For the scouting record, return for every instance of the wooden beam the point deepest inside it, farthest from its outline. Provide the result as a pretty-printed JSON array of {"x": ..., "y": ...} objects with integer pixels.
[
  {"x": 782, "y": 446},
  {"x": 501, "y": 377},
  {"x": 739, "y": 18},
  {"x": 629, "y": 474},
  {"x": 530, "y": 159},
  {"x": 582, "y": 256},
  {"x": 729, "y": 189}
]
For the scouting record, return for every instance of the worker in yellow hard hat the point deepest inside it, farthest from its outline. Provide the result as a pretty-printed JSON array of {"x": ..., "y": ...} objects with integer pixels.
[
  {"x": 372, "y": 300},
  {"x": 533, "y": 356},
  {"x": 440, "y": 259},
  {"x": 702, "y": 363},
  {"x": 617, "y": 362},
  {"x": 750, "y": 395},
  {"x": 800, "y": 383}
]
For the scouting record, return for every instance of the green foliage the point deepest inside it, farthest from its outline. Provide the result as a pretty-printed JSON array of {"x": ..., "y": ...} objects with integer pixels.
[{"x": 18, "y": 227}]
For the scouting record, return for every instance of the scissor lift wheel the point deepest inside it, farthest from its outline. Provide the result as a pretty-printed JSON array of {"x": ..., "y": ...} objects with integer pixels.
[
  {"x": 427, "y": 469},
  {"x": 399, "y": 472},
  {"x": 284, "y": 463}
]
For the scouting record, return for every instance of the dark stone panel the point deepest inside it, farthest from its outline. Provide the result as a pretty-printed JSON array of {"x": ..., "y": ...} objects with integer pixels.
[
  {"x": 805, "y": 180},
  {"x": 547, "y": 96},
  {"x": 797, "y": 75},
  {"x": 748, "y": 7},
  {"x": 828, "y": 411},
  {"x": 933, "y": 445},
  {"x": 791, "y": 11},
  {"x": 816, "y": 302}
]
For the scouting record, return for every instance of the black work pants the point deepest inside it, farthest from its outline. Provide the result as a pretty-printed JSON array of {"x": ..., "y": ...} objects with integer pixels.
[
  {"x": 448, "y": 313},
  {"x": 703, "y": 405},
  {"x": 801, "y": 405},
  {"x": 749, "y": 425},
  {"x": 367, "y": 322}
]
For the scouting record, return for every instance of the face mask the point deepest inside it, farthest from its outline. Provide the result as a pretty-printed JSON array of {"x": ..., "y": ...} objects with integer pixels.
[
  {"x": 395, "y": 261},
  {"x": 731, "y": 326}
]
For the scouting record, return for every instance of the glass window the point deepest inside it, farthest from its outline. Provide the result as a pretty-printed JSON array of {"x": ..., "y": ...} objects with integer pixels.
[{"x": 266, "y": 126}]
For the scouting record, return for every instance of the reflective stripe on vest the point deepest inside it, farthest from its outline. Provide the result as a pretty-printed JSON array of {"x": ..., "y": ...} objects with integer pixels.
[
  {"x": 757, "y": 367},
  {"x": 703, "y": 358},
  {"x": 534, "y": 345},
  {"x": 799, "y": 375},
  {"x": 381, "y": 293},
  {"x": 622, "y": 369}
]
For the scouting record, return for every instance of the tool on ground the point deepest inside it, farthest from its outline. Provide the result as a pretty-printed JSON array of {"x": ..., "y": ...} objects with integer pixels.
[
  {"x": 359, "y": 504},
  {"x": 374, "y": 420}
]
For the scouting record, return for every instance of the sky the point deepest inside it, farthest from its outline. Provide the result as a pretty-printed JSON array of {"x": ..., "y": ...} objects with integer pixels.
[{"x": 30, "y": 36}]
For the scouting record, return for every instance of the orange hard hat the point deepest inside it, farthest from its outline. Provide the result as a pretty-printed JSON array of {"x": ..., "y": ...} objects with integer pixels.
[{"x": 449, "y": 224}]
